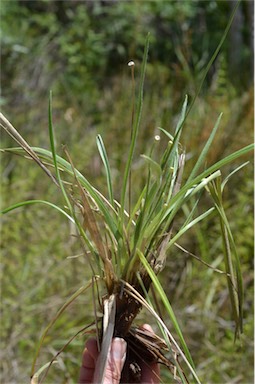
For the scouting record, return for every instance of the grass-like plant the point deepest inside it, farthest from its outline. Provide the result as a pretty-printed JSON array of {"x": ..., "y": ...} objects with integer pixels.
[{"x": 126, "y": 242}]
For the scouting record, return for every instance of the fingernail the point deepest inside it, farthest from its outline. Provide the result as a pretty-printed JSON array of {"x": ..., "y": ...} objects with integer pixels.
[
  {"x": 118, "y": 348},
  {"x": 147, "y": 327}
]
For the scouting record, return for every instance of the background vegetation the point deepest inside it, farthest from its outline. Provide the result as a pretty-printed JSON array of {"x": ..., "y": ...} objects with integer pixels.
[{"x": 80, "y": 50}]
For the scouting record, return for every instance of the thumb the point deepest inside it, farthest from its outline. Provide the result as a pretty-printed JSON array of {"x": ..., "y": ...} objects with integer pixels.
[{"x": 115, "y": 361}]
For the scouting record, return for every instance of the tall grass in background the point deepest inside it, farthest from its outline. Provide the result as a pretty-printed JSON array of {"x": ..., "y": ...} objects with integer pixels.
[{"x": 126, "y": 240}]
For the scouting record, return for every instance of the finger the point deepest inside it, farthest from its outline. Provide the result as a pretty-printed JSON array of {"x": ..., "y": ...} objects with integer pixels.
[
  {"x": 150, "y": 372},
  {"x": 115, "y": 361},
  {"x": 89, "y": 359},
  {"x": 147, "y": 327}
]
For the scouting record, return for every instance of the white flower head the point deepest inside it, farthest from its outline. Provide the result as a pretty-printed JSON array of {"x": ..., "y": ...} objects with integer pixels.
[{"x": 131, "y": 63}]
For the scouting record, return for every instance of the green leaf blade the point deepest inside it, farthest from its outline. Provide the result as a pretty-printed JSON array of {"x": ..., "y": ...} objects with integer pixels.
[
  {"x": 103, "y": 154},
  {"x": 134, "y": 130}
]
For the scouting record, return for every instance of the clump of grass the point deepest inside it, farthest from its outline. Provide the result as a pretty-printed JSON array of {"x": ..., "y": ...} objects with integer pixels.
[{"x": 126, "y": 242}]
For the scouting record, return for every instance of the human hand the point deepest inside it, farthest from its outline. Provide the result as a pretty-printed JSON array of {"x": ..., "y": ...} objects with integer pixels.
[{"x": 115, "y": 363}]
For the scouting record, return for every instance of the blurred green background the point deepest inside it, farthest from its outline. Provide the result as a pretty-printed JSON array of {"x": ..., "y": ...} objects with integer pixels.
[{"x": 80, "y": 51}]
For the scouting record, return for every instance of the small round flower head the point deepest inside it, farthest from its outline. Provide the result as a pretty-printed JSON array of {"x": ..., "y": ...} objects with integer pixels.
[
  {"x": 131, "y": 63},
  {"x": 157, "y": 138}
]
